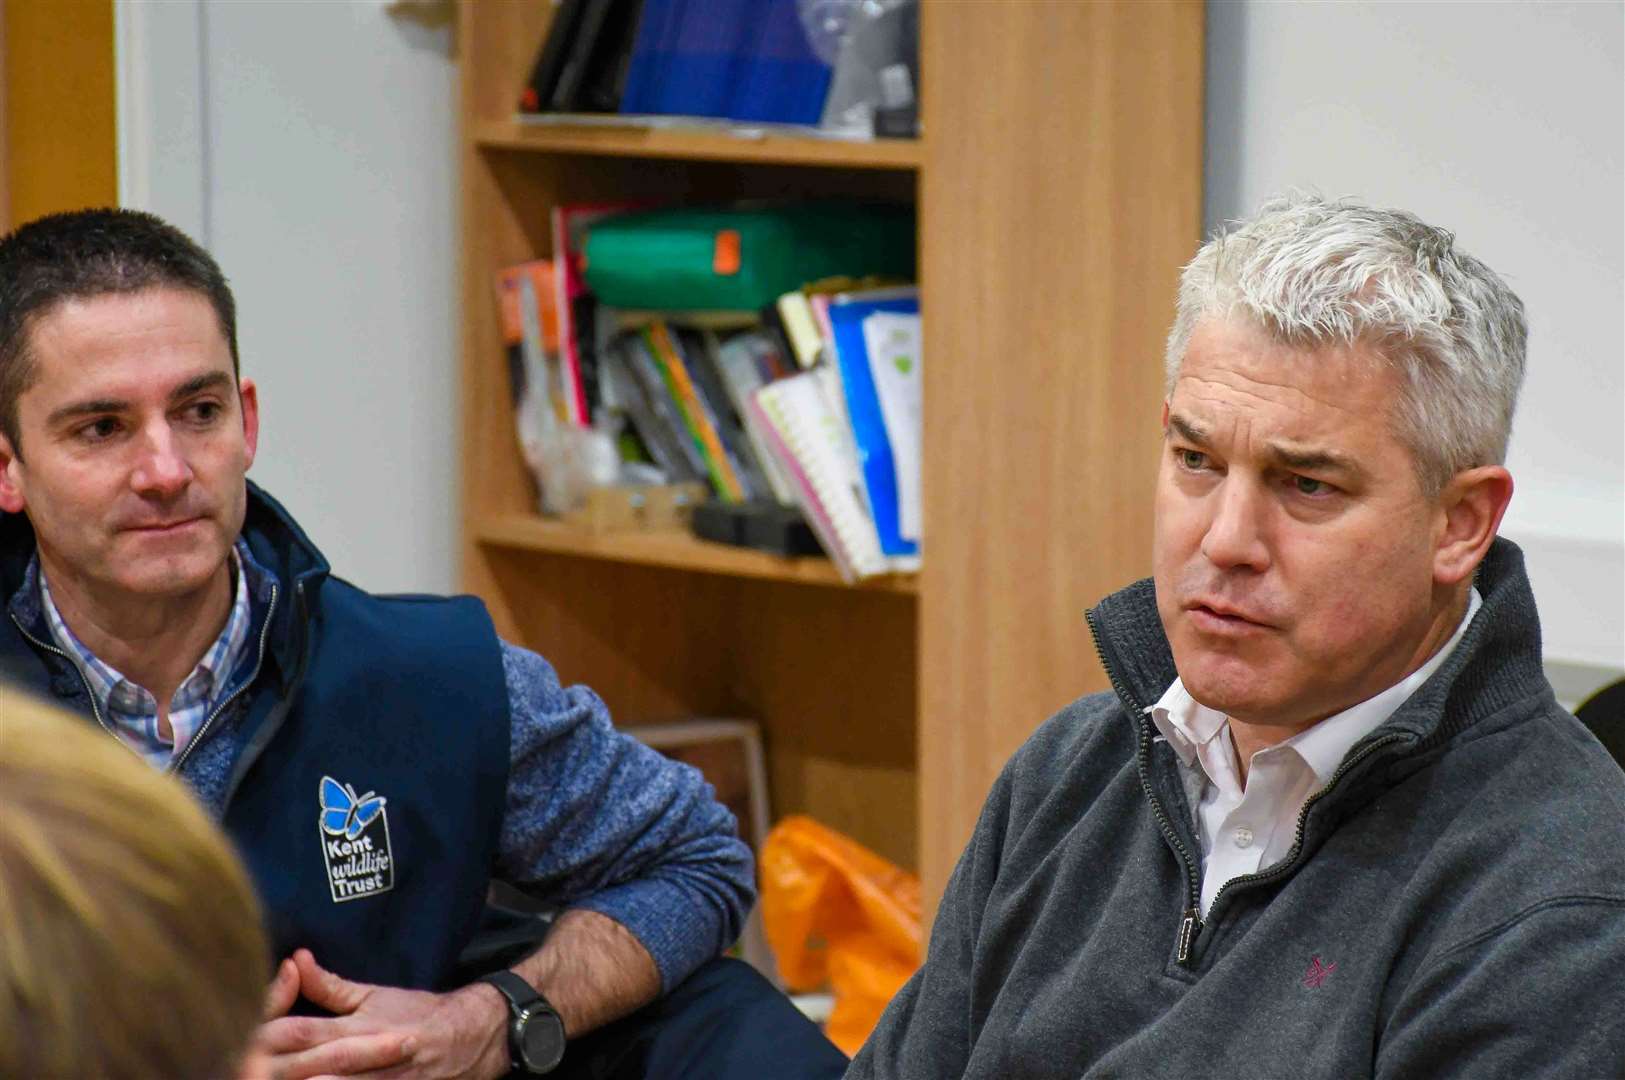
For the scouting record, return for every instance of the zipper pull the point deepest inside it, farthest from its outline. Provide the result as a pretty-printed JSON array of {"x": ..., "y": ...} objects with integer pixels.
[{"x": 1189, "y": 927}]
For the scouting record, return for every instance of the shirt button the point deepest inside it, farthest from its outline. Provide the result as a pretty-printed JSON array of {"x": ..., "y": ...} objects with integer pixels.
[{"x": 1244, "y": 837}]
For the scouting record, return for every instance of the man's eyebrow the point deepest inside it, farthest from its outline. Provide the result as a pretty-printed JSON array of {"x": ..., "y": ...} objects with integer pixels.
[
  {"x": 94, "y": 407},
  {"x": 1314, "y": 460},
  {"x": 1289, "y": 457},
  {"x": 213, "y": 380},
  {"x": 1189, "y": 430}
]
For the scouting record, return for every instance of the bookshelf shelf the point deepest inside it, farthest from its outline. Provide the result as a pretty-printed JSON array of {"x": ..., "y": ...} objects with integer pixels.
[
  {"x": 699, "y": 144},
  {"x": 669, "y": 548}
]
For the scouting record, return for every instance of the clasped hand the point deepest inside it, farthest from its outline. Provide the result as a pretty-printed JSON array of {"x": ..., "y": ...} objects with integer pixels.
[{"x": 375, "y": 1031}]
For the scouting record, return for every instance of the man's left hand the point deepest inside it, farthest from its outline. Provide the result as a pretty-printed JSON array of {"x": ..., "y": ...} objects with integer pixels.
[{"x": 385, "y": 1032}]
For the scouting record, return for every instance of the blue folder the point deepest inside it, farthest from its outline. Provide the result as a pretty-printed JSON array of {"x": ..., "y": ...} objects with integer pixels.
[
  {"x": 863, "y": 409},
  {"x": 649, "y": 48},
  {"x": 745, "y": 60}
]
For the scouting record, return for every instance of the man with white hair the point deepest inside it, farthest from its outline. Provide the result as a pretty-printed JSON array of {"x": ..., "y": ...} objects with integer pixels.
[{"x": 1330, "y": 821}]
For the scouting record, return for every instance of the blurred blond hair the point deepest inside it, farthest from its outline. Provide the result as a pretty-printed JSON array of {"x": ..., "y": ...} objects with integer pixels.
[{"x": 130, "y": 937}]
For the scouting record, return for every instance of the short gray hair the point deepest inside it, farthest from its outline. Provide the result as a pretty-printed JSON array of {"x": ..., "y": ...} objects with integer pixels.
[{"x": 1314, "y": 273}]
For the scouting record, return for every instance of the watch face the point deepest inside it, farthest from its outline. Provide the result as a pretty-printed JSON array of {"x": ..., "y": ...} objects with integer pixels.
[{"x": 543, "y": 1040}]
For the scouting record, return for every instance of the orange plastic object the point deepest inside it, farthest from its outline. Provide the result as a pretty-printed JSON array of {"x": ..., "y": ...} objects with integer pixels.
[
  {"x": 725, "y": 255},
  {"x": 836, "y": 912}
]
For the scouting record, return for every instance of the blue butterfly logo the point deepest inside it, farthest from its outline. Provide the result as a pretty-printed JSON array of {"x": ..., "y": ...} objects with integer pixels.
[{"x": 343, "y": 812}]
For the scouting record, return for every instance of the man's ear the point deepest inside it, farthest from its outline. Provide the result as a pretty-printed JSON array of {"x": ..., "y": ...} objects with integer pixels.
[
  {"x": 11, "y": 489},
  {"x": 249, "y": 395},
  {"x": 1165, "y": 416},
  {"x": 1470, "y": 510}
]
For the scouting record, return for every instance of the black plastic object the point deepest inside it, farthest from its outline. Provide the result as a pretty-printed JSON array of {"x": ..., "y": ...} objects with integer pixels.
[{"x": 765, "y": 526}]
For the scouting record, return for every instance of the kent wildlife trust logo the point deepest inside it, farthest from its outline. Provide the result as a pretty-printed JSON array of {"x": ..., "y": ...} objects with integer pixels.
[{"x": 354, "y": 834}]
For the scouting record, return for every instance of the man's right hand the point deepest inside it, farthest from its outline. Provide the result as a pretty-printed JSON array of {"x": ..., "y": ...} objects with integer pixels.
[
  {"x": 376, "y": 1031},
  {"x": 262, "y": 1061}
]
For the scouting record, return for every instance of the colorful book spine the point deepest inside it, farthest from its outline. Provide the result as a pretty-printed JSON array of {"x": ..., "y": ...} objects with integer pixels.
[
  {"x": 657, "y": 393},
  {"x": 701, "y": 427},
  {"x": 565, "y": 290}
]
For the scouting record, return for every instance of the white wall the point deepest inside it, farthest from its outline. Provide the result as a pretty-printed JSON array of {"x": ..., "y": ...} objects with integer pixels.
[
  {"x": 1504, "y": 122},
  {"x": 310, "y": 146}
]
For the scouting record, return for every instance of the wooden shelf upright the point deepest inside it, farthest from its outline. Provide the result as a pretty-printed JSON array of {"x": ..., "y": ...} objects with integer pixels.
[{"x": 1058, "y": 185}]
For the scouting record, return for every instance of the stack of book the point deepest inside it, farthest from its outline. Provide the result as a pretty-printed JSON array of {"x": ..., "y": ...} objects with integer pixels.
[
  {"x": 845, "y": 430},
  {"x": 812, "y": 403}
]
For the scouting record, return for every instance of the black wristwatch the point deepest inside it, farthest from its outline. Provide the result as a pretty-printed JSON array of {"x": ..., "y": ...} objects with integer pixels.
[{"x": 535, "y": 1032}]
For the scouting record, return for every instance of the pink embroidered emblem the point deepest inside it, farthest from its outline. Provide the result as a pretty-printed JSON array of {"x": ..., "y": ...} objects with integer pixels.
[{"x": 1318, "y": 973}]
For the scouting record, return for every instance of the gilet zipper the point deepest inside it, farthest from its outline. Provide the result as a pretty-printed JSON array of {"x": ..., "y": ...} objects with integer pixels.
[
  {"x": 95, "y": 709},
  {"x": 259, "y": 662}
]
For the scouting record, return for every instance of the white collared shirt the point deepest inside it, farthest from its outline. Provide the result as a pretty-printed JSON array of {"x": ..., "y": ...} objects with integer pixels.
[{"x": 1247, "y": 829}]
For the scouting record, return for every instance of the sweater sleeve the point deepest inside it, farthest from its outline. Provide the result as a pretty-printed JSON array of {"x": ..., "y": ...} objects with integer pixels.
[
  {"x": 929, "y": 1027},
  {"x": 597, "y": 820},
  {"x": 1536, "y": 996}
]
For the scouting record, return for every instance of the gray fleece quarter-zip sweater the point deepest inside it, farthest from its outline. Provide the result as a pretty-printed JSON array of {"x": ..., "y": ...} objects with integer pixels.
[{"x": 1454, "y": 905}]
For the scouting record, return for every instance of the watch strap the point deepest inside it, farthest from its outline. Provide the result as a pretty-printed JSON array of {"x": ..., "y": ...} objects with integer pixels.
[
  {"x": 520, "y": 994},
  {"x": 522, "y": 998}
]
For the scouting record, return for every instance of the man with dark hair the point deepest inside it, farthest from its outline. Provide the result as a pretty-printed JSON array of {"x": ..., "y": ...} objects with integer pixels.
[
  {"x": 1330, "y": 820},
  {"x": 378, "y": 761}
]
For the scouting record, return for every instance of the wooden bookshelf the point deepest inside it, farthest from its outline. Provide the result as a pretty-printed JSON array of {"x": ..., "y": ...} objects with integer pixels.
[{"x": 1058, "y": 190}]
